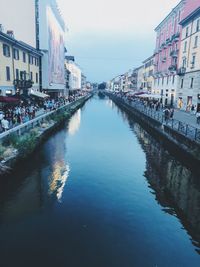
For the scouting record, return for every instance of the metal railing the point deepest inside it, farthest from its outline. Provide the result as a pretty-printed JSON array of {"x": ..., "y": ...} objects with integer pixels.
[
  {"x": 184, "y": 129},
  {"x": 25, "y": 127}
]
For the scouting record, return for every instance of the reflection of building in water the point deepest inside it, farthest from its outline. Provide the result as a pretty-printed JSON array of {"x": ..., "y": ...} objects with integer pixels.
[
  {"x": 58, "y": 179},
  {"x": 176, "y": 188},
  {"x": 110, "y": 103},
  {"x": 74, "y": 123}
]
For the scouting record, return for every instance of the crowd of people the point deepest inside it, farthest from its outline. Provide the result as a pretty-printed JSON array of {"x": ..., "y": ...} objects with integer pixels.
[
  {"x": 13, "y": 115},
  {"x": 157, "y": 105}
]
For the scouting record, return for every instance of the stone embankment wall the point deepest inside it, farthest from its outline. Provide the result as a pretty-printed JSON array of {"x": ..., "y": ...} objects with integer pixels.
[
  {"x": 19, "y": 143},
  {"x": 187, "y": 149}
]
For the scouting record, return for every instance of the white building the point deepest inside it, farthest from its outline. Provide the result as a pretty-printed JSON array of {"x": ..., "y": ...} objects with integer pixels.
[
  {"x": 50, "y": 35},
  {"x": 189, "y": 63},
  {"x": 40, "y": 24},
  {"x": 83, "y": 81},
  {"x": 140, "y": 77},
  {"x": 75, "y": 76}
]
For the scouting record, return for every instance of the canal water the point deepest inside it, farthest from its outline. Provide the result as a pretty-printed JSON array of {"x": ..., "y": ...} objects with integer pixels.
[{"x": 101, "y": 193}]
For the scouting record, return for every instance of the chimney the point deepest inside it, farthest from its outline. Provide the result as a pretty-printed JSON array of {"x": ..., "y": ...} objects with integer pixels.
[{"x": 10, "y": 33}]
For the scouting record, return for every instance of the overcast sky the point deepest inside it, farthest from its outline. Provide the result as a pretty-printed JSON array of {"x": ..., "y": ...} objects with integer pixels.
[{"x": 109, "y": 37}]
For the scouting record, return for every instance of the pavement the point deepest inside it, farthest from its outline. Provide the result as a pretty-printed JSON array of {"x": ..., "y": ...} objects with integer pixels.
[{"x": 186, "y": 117}]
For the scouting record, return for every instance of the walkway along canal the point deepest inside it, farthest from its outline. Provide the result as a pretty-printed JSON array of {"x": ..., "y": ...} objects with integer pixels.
[
  {"x": 101, "y": 192},
  {"x": 19, "y": 142},
  {"x": 173, "y": 133}
]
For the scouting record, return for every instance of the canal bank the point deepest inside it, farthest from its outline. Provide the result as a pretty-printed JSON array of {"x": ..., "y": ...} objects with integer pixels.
[
  {"x": 17, "y": 144},
  {"x": 97, "y": 194},
  {"x": 175, "y": 137}
]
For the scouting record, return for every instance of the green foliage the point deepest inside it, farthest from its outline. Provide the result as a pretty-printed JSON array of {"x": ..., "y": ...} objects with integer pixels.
[
  {"x": 2, "y": 151},
  {"x": 26, "y": 143}
]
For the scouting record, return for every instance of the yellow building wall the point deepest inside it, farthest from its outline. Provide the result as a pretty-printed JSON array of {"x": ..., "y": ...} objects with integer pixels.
[
  {"x": 14, "y": 64},
  {"x": 149, "y": 79},
  {"x": 5, "y": 62},
  {"x": 35, "y": 69}
]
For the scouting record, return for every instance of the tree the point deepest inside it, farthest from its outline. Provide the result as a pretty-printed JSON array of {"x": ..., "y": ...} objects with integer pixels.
[{"x": 102, "y": 86}]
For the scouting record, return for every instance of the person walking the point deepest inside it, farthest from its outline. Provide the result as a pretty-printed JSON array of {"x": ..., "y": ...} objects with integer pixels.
[
  {"x": 198, "y": 116},
  {"x": 166, "y": 114},
  {"x": 5, "y": 124},
  {"x": 171, "y": 113}
]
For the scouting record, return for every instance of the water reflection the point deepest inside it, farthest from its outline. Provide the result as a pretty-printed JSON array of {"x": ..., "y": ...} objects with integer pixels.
[
  {"x": 58, "y": 179},
  {"x": 176, "y": 187},
  {"x": 74, "y": 123},
  {"x": 110, "y": 103},
  {"x": 40, "y": 181}
]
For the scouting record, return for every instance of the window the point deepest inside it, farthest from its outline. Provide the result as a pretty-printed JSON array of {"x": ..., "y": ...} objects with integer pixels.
[
  {"x": 6, "y": 50},
  {"x": 22, "y": 75},
  {"x": 162, "y": 80},
  {"x": 16, "y": 53},
  {"x": 17, "y": 74},
  {"x": 24, "y": 57},
  {"x": 196, "y": 41},
  {"x": 31, "y": 75},
  {"x": 36, "y": 78},
  {"x": 193, "y": 61},
  {"x": 184, "y": 62},
  {"x": 36, "y": 61},
  {"x": 187, "y": 31},
  {"x": 31, "y": 60},
  {"x": 192, "y": 82},
  {"x": 8, "y": 73},
  {"x": 179, "y": 15},
  {"x": 182, "y": 81},
  {"x": 173, "y": 79},
  {"x": 167, "y": 80},
  {"x": 198, "y": 25},
  {"x": 185, "y": 47}
]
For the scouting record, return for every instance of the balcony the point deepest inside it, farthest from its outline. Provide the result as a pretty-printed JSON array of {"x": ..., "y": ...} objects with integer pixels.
[
  {"x": 163, "y": 59},
  {"x": 174, "y": 53},
  {"x": 181, "y": 71},
  {"x": 23, "y": 84},
  {"x": 176, "y": 37},
  {"x": 168, "y": 41},
  {"x": 172, "y": 68}
]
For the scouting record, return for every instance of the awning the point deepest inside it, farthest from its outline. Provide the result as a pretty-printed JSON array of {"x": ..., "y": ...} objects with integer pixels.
[
  {"x": 139, "y": 93},
  {"x": 8, "y": 99},
  {"x": 150, "y": 96},
  {"x": 38, "y": 94}
]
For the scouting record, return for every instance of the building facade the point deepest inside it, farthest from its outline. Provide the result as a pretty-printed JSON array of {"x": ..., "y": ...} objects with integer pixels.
[
  {"x": 83, "y": 81},
  {"x": 50, "y": 39},
  {"x": 148, "y": 74},
  {"x": 167, "y": 53},
  {"x": 75, "y": 74},
  {"x": 189, "y": 63},
  {"x": 140, "y": 78},
  {"x": 19, "y": 66}
]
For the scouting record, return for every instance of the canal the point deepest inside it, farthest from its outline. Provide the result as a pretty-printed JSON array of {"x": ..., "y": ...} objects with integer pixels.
[{"x": 101, "y": 192}]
